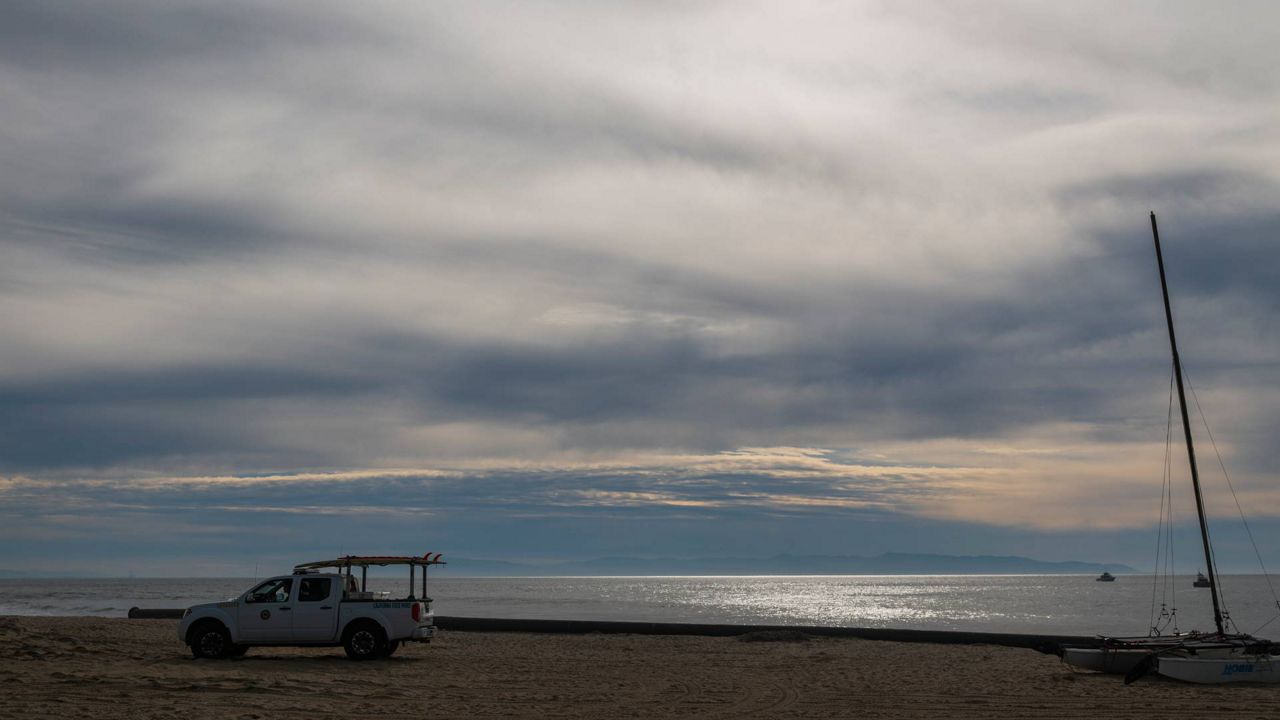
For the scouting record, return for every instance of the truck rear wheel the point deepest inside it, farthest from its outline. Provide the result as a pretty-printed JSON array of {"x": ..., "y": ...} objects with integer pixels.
[
  {"x": 365, "y": 641},
  {"x": 210, "y": 640},
  {"x": 391, "y": 648}
]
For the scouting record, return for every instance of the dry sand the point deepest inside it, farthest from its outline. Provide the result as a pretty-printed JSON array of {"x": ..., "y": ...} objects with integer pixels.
[{"x": 109, "y": 668}]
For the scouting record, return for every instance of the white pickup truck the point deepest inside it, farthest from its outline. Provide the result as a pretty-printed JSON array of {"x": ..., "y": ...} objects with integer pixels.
[{"x": 313, "y": 608}]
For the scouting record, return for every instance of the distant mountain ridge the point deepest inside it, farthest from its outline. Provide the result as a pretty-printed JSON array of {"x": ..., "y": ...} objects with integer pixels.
[
  {"x": 884, "y": 564},
  {"x": 6, "y": 574}
]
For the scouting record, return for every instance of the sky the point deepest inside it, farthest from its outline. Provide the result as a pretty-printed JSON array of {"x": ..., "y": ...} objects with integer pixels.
[{"x": 543, "y": 281}]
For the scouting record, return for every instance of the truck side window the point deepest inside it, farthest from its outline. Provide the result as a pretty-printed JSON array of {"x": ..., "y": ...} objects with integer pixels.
[
  {"x": 314, "y": 589},
  {"x": 271, "y": 591}
]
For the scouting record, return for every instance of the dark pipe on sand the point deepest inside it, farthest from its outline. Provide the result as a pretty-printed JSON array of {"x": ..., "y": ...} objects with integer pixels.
[{"x": 1044, "y": 643}]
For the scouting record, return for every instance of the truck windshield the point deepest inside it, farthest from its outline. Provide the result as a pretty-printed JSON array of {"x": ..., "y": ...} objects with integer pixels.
[{"x": 272, "y": 591}]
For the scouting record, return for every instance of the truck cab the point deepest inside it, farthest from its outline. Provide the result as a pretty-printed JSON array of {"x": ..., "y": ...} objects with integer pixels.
[{"x": 309, "y": 607}]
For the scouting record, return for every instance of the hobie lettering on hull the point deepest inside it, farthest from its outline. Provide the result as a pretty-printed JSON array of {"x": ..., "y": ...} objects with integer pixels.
[{"x": 1254, "y": 669}]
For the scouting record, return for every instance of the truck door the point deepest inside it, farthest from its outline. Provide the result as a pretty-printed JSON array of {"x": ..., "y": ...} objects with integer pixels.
[
  {"x": 315, "y": 615},
  {"x": 266, "y": 613}
]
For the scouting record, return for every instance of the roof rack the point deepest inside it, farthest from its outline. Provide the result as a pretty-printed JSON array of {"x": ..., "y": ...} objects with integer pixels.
[
  {"x": 364, "y": 561},
  {"x": 346, "y": 562}
]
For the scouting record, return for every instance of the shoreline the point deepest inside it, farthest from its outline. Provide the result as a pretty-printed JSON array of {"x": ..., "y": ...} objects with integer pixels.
[
  {"x": 110, "y": 668},
  {"x": 1047, "y": 643}
]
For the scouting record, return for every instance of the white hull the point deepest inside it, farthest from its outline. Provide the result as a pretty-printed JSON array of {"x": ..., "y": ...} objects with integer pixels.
[
  {"x": 1120, "y": 661},
  {"x": 1238, "y": 668},
  {"x": 1104, "y": 660}
]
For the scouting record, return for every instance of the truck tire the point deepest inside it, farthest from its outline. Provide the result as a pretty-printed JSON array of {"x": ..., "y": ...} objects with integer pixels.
[
  {"x": 238, "y": 650},
  {"x": 364, "y": 640},
  {"x": 391, "y": 648},
  {"x": 210, "y": 639}
]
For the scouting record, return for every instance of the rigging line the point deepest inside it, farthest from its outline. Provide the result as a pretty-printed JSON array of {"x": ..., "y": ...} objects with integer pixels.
[
  {"x": 1200, "y": 411},
  {"x": 1171, "y": 566},
  {"x": 1160, "y": 543},
  {"x": 1222, "y": 464},
  {"x": 1211, "y": 557},
  {"x": 1220, "y": 589},
  {"x": 1259, "y": 628},
  {"x": 1222, "y": 595},
  {"x": 1155, "y": 570},
  {"x": 1164, "y": 489},
  {"x": 1167, "y": 519}
]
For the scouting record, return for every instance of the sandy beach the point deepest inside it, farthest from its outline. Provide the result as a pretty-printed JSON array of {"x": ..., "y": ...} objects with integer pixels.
[{"x": 115, "y": 668}]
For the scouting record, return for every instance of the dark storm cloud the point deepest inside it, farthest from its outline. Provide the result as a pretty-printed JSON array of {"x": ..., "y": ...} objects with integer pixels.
[
  {"x": 557, "y": 518},
  {"x": 971, "y": 369},
  {"x": 121, "y": 83},
  {"x": 124, "y": 416},
  {"x": 243, "y": 239},
  {"x": 1213, "y": 247},
  {"x": 1232, "y": 257},
  {"x": 188, "y": 384},
  {"x": 128, "y": 231},
  {"x": 91, "y": 38},
  {"x": 95, "y": 91}
]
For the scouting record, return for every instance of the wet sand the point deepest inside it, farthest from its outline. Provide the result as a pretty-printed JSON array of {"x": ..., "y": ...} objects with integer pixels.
[{"x": 116, "y": 668}]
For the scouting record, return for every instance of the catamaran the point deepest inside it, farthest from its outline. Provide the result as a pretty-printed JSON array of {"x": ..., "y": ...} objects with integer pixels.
[{"x": 1217, "y": 657}]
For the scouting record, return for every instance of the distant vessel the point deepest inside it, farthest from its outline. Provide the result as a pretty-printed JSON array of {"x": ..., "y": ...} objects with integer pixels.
[
  {"x": 1106, "y": 577},
  {"x": 1215, "y": 657}
]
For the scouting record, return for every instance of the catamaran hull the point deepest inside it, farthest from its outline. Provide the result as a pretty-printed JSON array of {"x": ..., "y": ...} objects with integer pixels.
[
  {"x": 1212, "y": 671},
  {"x": 1104, "y": 660},
  {"x": 1120, "y": 661}
]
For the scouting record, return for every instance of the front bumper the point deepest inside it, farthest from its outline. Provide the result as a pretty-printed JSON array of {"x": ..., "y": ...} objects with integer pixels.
[{"x": 184, "y": 625}]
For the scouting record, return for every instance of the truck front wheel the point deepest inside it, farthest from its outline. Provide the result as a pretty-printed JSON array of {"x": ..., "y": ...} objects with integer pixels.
[
  {"x": 210, "y": 640},
  {"x": 365, "y": 641}
]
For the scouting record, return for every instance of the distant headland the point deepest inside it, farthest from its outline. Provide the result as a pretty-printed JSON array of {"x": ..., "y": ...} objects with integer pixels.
[{"x": 884, "y": 564}]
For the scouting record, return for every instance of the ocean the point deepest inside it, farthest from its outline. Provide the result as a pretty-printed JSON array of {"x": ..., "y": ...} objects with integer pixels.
[{"x": 1050, "y": 604}]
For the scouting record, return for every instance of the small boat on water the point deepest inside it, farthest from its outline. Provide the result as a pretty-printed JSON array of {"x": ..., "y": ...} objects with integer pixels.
[
  {"x": 1106, "y": 577},
  {"x": 1201, "y": 581}
]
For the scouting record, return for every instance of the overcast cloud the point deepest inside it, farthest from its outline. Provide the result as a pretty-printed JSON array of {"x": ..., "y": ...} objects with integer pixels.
[{"x": 487, "y": 277}]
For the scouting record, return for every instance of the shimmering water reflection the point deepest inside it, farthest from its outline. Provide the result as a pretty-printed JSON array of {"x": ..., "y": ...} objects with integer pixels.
[
  {"x": 1065, "y": 604},
  {"x": 1015, "y": 603}
]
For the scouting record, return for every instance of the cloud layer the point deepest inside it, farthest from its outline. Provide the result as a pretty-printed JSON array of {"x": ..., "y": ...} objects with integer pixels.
[{"x": 517, "y": 243}]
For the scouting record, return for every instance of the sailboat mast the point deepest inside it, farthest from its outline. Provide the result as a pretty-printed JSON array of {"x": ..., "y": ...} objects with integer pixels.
[{"x": 1186, "y": 429}]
